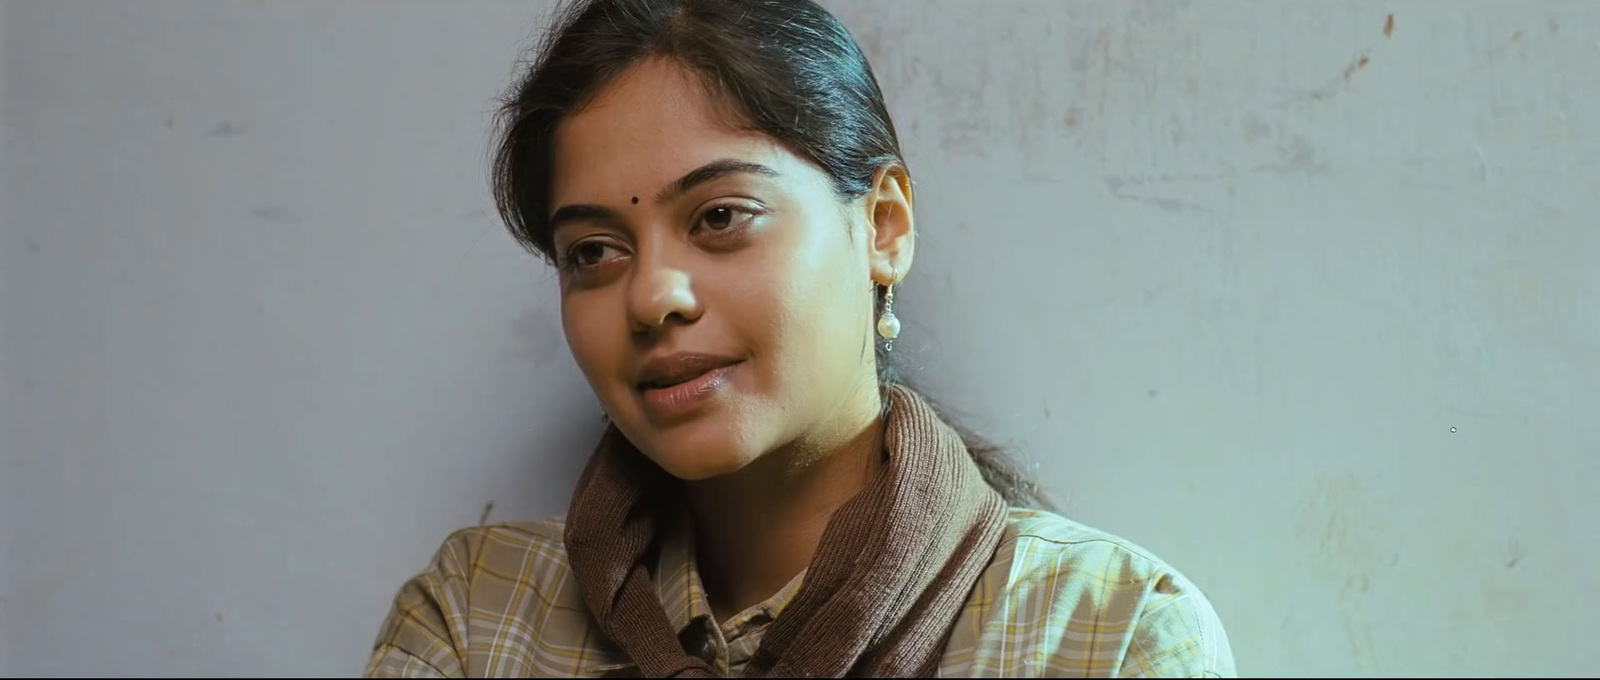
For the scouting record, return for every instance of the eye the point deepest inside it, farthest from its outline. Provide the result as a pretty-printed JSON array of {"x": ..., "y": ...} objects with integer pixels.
[
  {"x": 724, "y": 218},
  {"x": 591, "y": 253}
]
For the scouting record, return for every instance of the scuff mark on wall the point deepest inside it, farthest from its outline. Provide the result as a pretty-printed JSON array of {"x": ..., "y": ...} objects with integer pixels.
[
  {"x": 1135, "y": 188},
  {"x": 1255, "y": 128},
  {"x": 1499, "y": 52},
  {"x": 1296, "y": 156},
  {"x": 1342, "y": 524},
  {"x": 1507, "y": 583},
  {"x": 226, "y": 128},
  {"x": 1295, "y": 153},
  {"x": 1360, "y": 62},
  {"x": 1155, "y": 293},
  {"x": 1118, "y": 187},
  {"x": 276, "y": 213},
  {"x": 1337, "y": 85},
  {"x": 1484, "y": 166}
]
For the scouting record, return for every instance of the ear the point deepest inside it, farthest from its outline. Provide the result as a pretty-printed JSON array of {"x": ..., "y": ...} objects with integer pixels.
[{"x": 891, "y": 232}]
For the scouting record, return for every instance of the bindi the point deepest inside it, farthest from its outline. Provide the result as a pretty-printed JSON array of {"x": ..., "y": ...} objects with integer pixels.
[{"x": 635, "y": 199}]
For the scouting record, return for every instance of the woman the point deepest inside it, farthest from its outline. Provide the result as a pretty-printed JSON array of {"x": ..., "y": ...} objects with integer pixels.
[{"x": 720, "y": 186}]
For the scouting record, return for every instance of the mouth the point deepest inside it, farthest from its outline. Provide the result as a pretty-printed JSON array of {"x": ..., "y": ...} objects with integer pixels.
[
  {"x": 677, "y": 369},
  {"x": 670, "y": 381},
  {"x": 681, "y": 384}
]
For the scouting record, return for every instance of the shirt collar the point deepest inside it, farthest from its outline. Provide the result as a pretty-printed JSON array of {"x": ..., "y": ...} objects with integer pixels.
[{"x": 683, "y": 595}]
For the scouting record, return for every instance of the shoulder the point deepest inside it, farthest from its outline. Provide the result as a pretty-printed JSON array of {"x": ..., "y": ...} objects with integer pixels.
[
  {"x": 1045, "y": 541},
  {"x": 530, "y": 552},
  {"x": 1081, "y": 595},
  {"x": 486, "y": 585},
  {"x": 540, "y": 535},
  {"x": 496, "y": 568},
  {"x": 1051, "y": 560}
]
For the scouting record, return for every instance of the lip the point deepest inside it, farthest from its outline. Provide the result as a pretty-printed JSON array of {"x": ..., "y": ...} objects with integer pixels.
[{"x": 710, "y": 376}]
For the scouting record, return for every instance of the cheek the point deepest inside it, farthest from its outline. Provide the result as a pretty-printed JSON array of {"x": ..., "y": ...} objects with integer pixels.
[
  {"x": 589, "y": 339},
  {"x": 813, "y": 311}
]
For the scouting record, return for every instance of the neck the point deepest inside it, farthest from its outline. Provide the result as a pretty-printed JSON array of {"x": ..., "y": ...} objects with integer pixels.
[{"x": 758, "y": 528}]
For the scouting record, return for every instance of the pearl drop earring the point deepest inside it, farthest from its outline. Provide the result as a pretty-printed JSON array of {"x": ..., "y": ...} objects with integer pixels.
[{"x": 888, "y": 325}]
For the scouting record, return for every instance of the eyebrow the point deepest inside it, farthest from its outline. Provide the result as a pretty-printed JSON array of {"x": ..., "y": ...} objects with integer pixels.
[{"x": 710, "y": 171}]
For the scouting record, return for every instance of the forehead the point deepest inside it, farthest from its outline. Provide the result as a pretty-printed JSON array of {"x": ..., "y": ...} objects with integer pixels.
[{"x": 646, "y": 128}]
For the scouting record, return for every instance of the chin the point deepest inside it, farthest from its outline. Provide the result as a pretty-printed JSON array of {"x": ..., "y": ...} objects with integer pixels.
[
  {"x": 697, "y": 456},
  {"x": 695, "y": 464}
]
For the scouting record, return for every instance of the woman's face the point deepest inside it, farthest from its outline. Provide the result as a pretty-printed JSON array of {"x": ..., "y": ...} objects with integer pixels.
[{"x": 715, "y": 291}]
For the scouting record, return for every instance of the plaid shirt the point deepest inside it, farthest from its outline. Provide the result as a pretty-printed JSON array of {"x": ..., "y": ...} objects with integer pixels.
[{"x": 1058, "y": 600}]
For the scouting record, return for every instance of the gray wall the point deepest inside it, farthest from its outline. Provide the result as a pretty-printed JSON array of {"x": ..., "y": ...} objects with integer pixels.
[
  {"x": 6, "y": 245},
  {"x": 1301, "y": 301}
]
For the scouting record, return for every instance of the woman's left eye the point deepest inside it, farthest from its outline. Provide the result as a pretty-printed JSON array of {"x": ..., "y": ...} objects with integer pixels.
[{"x": 724, "y": 218}]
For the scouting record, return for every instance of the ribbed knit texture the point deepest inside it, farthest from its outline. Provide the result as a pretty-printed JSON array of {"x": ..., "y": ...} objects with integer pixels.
[{"x": 889, "y": 577}]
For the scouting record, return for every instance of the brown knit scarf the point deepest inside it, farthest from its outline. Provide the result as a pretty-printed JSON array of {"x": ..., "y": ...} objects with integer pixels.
[{"x": 881, "y": 594}]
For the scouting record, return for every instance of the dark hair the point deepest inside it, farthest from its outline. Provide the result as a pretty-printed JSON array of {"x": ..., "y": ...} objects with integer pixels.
[{"x": 787, "y": 68}]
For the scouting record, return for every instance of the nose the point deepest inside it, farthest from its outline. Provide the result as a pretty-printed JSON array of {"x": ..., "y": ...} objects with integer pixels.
[{"x": 660, "y": 294}]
